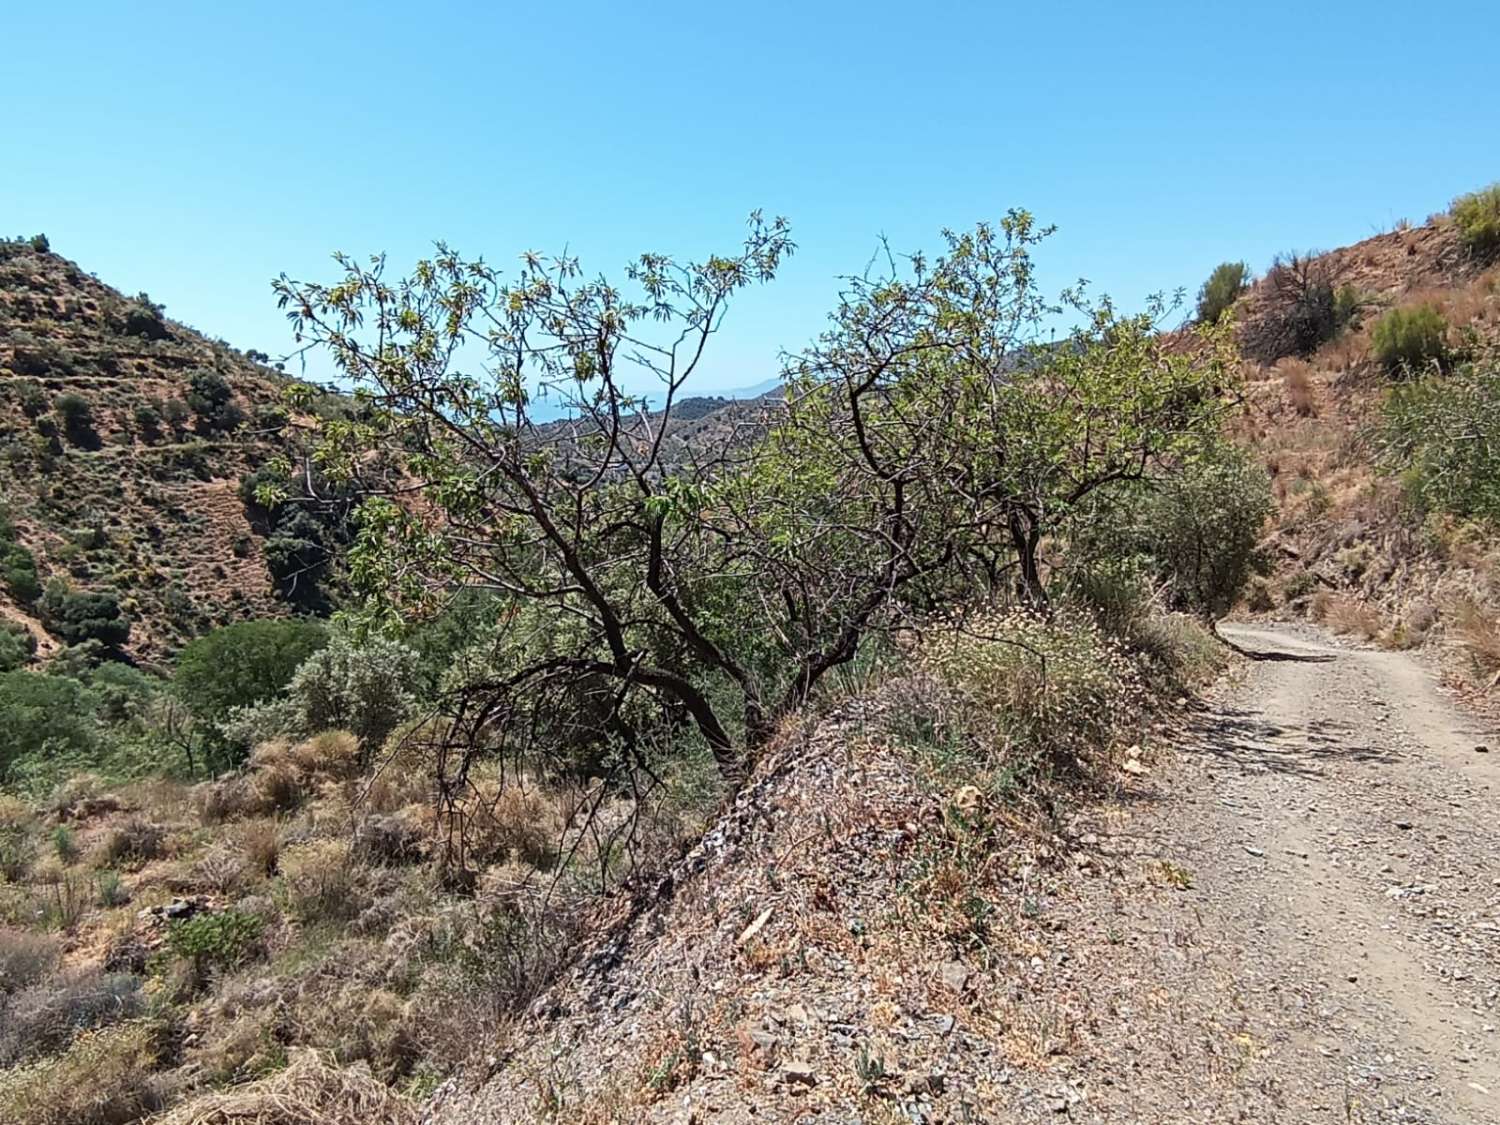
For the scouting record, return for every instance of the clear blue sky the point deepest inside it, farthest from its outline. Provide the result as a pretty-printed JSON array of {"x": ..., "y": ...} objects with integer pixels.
[{"x": 195, "y": 150}]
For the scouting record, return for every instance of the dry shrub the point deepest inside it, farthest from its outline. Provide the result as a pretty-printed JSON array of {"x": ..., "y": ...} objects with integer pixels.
[
  {"x": 1477, "y": 629},
  {"x": 310, "y": 1091},
  {"x": 226, "y": 799},
  {"x": 1296, "y": 377},
  {"x": 322, "y": 882},
  {"x": 260, "y": 844},
  {"x": 104, "y": 1078},
  {"x": 1347, "y": 616},
  {"x": 391, "y": 839},
  {"x": 331, "y": 755},
  {"x": 221, "y": 869},
  {"x": 43, "y": 1019},
  {"x": 133, "y": 842},
  {"x": 505, "y": 819},
  {"x": 26, "y": 958}
]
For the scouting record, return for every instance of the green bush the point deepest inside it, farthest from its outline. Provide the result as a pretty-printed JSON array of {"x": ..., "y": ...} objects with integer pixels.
[
  {"x": 143, "y": 317},
  {"x": 80, "y": 616},
  {"x": 1442, "y": 437},
  {"x": 363, "y": 687},
  {"x": 43, "y": 715},
  {"x": 211, "y": 398},
  {"x": 1478, "y": 217},
  {"x": 77, "y": 418},
  {"x": 216, "y": 941},
  {"x": 243, "y": 663},
  {"x": 1221, "y": 290},
  {"x": 17, "y": 564},
  {"x": 1411, "y": 340},
  {"x": 17, "y": 646}
]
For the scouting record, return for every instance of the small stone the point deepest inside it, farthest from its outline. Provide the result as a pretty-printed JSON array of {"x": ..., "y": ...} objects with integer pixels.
[
  {"x": 1481, "y": 749},
  {"x": 1133, "y": 766},
  {"x": 1403, "y": 824},
  {"x": 799, "y": 1072},
  {"x": 954, "y": 974}
]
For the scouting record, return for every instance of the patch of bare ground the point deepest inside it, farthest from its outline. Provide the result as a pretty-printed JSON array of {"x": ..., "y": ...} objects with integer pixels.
[{"x": 1293, "y": 917}]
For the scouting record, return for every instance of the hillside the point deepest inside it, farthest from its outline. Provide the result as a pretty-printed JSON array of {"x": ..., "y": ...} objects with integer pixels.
[
  {"x": 120, "y": 470},
  {"x": 1353, "y": 545}
]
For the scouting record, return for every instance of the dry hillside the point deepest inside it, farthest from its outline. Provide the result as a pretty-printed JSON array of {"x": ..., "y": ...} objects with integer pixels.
[{"x": 137, "y": 494}]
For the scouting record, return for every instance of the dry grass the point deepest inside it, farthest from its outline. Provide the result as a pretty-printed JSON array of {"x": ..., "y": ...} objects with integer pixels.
[
  {"x": 1296, "y": 379},
  {"x": 104, "y": 1078},
  {"x": 1348, "y": 617},
  {"x": 311, "y": 1091},
  {"x": 1477, "y": 628}
]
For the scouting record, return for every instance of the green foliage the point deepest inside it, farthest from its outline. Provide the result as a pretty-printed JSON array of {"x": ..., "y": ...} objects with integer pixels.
[
  {"x": 17, "y": 646},
  {"x": 211, "y": 399},
  {"x": 1442, "y": 436},
  {"x": 242, "y": 664},
  {"x": 363, "y": 686},
  {"x": 17, "y": 565},
  {"x": 80, "y": 616},
  {"x": 143, "y": 317},
  {"x": 43, "y": 715},
  {"x": 1478, "y": 217},
  {"x": 222, "y": 940},
  {"x": 1193, "y": 533},
  {"x": 77, "y": 420},
  {"x": 1221, "y": 290},
  {"x": 1410, "y": 341}
]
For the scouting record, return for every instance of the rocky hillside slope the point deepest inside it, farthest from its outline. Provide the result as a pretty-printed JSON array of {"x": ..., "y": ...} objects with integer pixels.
[
  {"x": 1350, "y": 549},
  {"x": 123, "y": 436}
]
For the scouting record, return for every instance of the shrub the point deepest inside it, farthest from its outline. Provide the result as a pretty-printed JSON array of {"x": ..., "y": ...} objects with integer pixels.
[
  {"x": 1478, "y": 218},
  {"x": 1411, "y": 340},
  {"x": 211, "y": 398},
  {"x": 1221, "y": 290},
  {"x": 310, "y": 1090},
  {"x": 43, "y": 715},
  {"x": 111, "y": 889},
  {"x": 1300, "y": 307},
  {"x": 77, "y": 418},
  {"x": 242, "y": 664},
  {"x": 1028, "y": 689},
  {"x": 17, "y": 852},
  {"x": 135, "y": 841},
  {"x": 1442, "y": 436},
  {"x": 80, "y": 616},
  {"x": 1297, "y": 379},
  {"x": 104, "y": 1078},
  {"x": 359, "y": 686},
  {"x": 42, "y": 1019},
  {"x": 26, "y": 958},
  {"x": 64, "y": 844},
  {"x": 143, "y": 317},
  {"x": 1202, "y": 528},
  {"x": 216, "y": 941},
  {"x": 17, "y": 646}
]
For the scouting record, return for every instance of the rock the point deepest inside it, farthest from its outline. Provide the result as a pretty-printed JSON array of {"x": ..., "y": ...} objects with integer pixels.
[
  {"x": 954, "y": 975},
  {"x": 1481, "y": 749},
  {"x": 1132, "y": 766},
  {"x": 798, "y": 1073},
  {"x": 1404, "y": 825},
  {"x": 181, "y": 908}
]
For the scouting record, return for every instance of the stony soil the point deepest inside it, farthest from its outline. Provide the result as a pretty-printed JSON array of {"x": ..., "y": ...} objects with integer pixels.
[{"x": 1291, "y": 914}]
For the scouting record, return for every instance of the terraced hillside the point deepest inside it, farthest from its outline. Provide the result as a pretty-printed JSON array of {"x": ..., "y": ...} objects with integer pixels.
[{"x": 123, "y": 436}]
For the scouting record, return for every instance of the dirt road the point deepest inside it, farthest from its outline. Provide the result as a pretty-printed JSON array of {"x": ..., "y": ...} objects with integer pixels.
[{"x": 1329, "y": 947}]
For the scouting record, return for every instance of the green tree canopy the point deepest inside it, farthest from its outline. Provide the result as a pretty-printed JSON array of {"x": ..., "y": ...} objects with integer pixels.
[{"x": 244, "y": 663}]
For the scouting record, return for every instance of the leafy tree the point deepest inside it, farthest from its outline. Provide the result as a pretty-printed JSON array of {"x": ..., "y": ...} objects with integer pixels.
[
  {"x": 1221, "y": 290},
  {"x": 42, "y": 714},
  {"x": 241, "y": 664},
  {"x": 926, "y": 441},
  {"x": 17, "y": 564}
]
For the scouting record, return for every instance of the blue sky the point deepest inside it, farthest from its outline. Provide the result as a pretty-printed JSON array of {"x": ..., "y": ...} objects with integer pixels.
[{"x": 196, "y": 150}]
